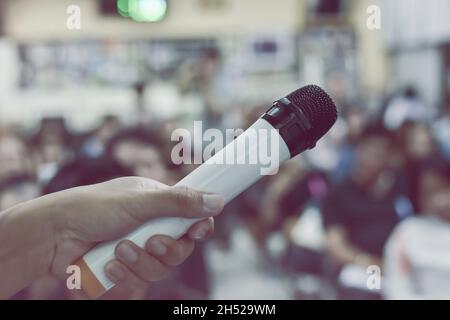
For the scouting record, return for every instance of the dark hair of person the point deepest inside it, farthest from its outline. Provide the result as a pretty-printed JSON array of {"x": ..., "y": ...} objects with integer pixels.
[
  {"x": 137, "y": 135},
  {"x": 82, "y": 172},
  {"x": 16, "y": 181},
  {"x": 374, "y": 130},
  {"x": 411, "y": 92},
  {"x": 58, "y": 125}
]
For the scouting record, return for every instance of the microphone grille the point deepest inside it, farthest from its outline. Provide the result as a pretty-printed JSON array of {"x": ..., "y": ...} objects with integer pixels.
[{"x": 318, "y": 108}]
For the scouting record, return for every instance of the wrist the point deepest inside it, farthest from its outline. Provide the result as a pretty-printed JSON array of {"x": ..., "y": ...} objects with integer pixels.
[{"x": 27, "y": 232}]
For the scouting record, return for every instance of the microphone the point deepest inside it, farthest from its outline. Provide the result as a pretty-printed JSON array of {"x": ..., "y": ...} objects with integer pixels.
[{"x": 296, "y": 122}]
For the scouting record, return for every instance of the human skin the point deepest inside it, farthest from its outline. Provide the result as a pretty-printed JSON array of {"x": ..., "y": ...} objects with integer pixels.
[{"x": 46, "y": 235}]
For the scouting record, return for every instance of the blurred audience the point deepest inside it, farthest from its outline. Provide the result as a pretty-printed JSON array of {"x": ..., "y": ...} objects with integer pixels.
[
  {"x": 52, "y": 147},
  {"x": 327, "y": 214}
]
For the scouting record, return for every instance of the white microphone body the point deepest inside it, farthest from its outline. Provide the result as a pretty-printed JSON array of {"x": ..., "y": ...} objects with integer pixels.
[
  {"x": 216, "y": 175},
  {"x": 292, "y": 125}
]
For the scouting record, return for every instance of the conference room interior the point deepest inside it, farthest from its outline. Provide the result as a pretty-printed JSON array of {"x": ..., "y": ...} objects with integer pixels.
[{"x": 364, "y": 215}]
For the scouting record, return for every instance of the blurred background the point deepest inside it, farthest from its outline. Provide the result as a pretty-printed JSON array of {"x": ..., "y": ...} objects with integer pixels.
[{"x": 365, "y": 215}]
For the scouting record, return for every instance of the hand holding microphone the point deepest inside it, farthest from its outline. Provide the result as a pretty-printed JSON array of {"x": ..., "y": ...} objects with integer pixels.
[{"x": 47, "y": 234}]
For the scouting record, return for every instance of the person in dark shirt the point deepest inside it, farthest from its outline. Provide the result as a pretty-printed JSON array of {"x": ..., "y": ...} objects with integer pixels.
[
  {"x": 360, "y": 213},
  {"x": 366, "y": 219}
]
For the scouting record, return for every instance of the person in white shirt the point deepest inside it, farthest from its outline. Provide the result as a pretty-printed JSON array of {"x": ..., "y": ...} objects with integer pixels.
[
  {"x": 408, "y": 106},
  {"x": 417, "y": 259}
]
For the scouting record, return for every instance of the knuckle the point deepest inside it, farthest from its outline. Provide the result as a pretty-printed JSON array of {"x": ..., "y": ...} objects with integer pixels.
[
  {"x": 179, "y": 253},
  {"x": 185, "y": 197},
  {"x": 173, "y": 261}
]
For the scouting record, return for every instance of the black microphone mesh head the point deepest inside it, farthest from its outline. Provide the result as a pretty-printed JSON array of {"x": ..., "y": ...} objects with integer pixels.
[{"x": 318, "y": 108}]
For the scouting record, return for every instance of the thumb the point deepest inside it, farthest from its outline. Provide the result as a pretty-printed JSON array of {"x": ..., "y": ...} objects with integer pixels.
[{"x": 175, "y": 201}]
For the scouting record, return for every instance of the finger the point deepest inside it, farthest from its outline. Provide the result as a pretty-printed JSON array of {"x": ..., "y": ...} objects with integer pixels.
[
  {"x": 122, "y": 276},
  {"x": 173, "y": 201},
  {"x": 169, "y": 251},
  {"x": 201, "y": 230},
  {"x": 142, "y": 264}
]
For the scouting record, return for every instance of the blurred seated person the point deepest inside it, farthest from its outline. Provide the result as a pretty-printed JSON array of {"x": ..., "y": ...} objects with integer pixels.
[
  {"x": 287, "y": 194},
  {"x": 417, "y": 263},
  {"x": 131, "y": 152},
  {"x": 14, "y": 159},
  {"x": 360, "y": 213},
  {"x": 95, "y": 144},
  {"x": 139, "y": 151},
  {"x": 53, "y": 147},
  {"x": 294, "y": 235},
  {"x": 277, "y": 187},
  {"x": 356, "y": 120},
  {"x": 416, "y": 147},
  {"x": 17, "y": 189},
  {"x": 299, "y": 211}
]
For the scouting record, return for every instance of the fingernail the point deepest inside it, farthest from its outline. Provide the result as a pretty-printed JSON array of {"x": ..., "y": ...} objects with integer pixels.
[
  {"x": 201, "y": 233},
  {"x": 126, "y": 253},
  {"x": 213, "y": 203},
  {"x": 115, "y": 271},
  {"x": 157, "y": 247}
]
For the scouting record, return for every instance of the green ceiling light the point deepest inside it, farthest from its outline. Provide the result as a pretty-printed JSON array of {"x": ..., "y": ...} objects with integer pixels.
[
  {"x": 143, "y": 10},
  {"x": 122, "y": 8}
]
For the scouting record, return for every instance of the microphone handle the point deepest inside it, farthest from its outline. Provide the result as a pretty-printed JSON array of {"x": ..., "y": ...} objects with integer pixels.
[{"x": 215, "y": 176}]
